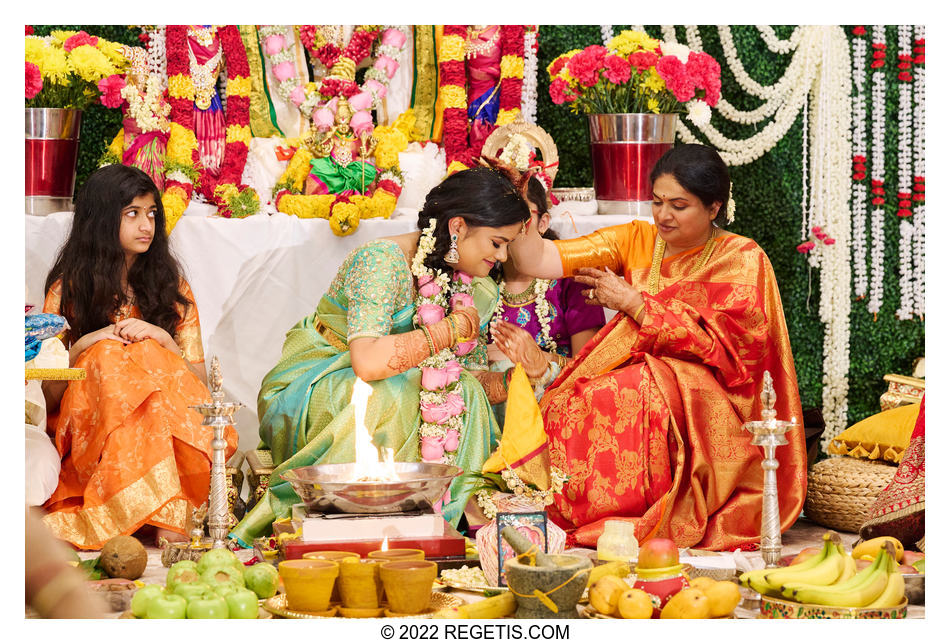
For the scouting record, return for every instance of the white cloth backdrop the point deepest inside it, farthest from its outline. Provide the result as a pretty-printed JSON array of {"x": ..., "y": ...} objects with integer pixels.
[{"x": 254, "y": 278}]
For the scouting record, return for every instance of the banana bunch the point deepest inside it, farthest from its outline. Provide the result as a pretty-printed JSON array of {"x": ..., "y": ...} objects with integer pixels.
[{"x": 830, "y": 578}]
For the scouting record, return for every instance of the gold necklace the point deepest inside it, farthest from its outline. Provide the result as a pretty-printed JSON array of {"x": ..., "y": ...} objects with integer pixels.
[
  {"x": 475, "y": 48},
  {"x": 514, "y": 299},
  {"x": 653, "y": 284}
]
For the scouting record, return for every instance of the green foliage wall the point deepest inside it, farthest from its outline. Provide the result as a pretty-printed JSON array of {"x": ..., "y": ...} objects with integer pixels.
[{"x": 767, "y": 193}]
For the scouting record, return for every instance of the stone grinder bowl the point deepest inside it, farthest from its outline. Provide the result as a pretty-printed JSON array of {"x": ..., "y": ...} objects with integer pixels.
[{"x": 524, "y": 579}]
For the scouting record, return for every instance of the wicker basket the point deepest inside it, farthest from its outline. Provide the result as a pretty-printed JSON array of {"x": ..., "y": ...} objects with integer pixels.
[{"x": 841, "y": 491}]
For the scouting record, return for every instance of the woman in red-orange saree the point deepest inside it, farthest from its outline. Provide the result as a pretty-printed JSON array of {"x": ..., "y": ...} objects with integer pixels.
[
  {"x": 647, "y": 419},
  {"x": 133, "y": 452}
]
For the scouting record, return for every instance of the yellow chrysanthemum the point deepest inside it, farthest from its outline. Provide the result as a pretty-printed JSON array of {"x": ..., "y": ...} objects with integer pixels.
[
  {"x": 174, "y": 205},
  {"x": 652, "y": 81},
  {"x": 60, "y": 36},
  {"x": 306, "y": 206},
  {"x": 389, "y": 143},
  {"x": 181, "y": 142},
  {"x": 90, "y": 63},
  {"x": 382, "y": 204},
  {"x": 238, "y": 133},
  {"x": 507, "y": 116},
  {"x": 512, "y": 67},
  {"x": 452, "y": 48},
  {"x": 627, "y": 42},
  {"x": 118, "y": 144},
  {"x": 239, "y": 86},
  {"x": 405, "y": 122},
  {"x": 54, "y": 66},
  {"x": 113, "y": 51},
  {"x": 453, "y": 96},
  {"x": 35, "y": 49},
  {"x": 653, "y": 105},
  {"x": 345, "y": 219},
  {"x": 180, "y": 86}
]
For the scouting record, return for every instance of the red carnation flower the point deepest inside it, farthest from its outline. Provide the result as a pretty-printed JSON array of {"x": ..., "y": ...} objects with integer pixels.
[
  {"x": 560, "y": 91},
  {"x": 617, "y": 69},
  {"x": 859, "y": 30},
  {"x": 642, "y": 60},
  {"x": 29, "y": 30},
  {"x": 558, "y": 65},
  {"x": 81, "y": 38},
  {"x": 585, "y": 69},
  {"x": 34, "y": 80}
]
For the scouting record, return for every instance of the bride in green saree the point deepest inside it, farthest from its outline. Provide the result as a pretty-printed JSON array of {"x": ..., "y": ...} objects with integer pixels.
[{"x": 408, "y": 314}]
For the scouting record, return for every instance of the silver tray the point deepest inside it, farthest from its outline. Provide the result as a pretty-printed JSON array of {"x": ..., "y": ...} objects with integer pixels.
[{"x": 332, "y": 488}]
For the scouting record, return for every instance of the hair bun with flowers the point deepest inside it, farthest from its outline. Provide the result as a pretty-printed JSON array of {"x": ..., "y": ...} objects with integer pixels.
[{"x": 519, "y": 179}]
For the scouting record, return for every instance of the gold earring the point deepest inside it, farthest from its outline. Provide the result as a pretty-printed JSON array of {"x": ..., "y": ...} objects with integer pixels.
[{"x": 452, "y": 257}]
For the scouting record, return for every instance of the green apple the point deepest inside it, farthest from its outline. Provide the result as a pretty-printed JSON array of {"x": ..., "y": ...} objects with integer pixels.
[
  {"x": 180, "y": 572},
  {"x": 207, "y": 606},
  {"x": 225, "y": 588},
  {"x": 262, "y": 579},
  {"x": 214, "y": 575},
  {"x": 242, "y": 604},
  {"x": 919, "y": 565},
  {"x": 191, "y": 589},
  {"x": 167, "y": 606},
  {"x": 143, "y": 596},
  {"x": 217, "y": 558}
]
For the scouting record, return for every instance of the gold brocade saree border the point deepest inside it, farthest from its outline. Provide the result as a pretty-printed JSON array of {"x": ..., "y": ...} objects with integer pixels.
[
  {"x": 153, "y": 498},
  {"x": 425, "y": 81},
  {"x": 262, "y": 122}
]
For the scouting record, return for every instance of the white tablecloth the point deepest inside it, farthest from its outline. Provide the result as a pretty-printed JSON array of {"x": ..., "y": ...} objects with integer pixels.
[{"x": 254, "y": 278}]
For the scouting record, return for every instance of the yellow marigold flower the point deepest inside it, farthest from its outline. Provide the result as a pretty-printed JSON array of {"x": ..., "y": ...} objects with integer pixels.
[
  {"x": 238, "y": 133},
  {"x": 652, "y": 81},
  {"x": 452, "y": 48},
  {"x": 383, "y": 204},
  {"x": 345, "y": 219},
  {"x": 506, "y": 116},
  {"x": 239, "y": 86},
  {"x": 405, "y": 122},
  {"x": 90, "y": 63},
  {"x": 180, "y": 86},
  {"x": 54, "y": 66},
  {"x": 454, "y": 96},
  {"x": 512, "y": 67},
  {"x": 306, "y": 206},
  {"x": 174, "y": 206},
  {"x": 454, "y": 167},
  {"x": 226, "y": 191},
  {"x": 180, "y": 144},
  {"x": 118, "y": 144},
  {"x": 298, "y": 168},
  {"x": 627, "y": 42}
]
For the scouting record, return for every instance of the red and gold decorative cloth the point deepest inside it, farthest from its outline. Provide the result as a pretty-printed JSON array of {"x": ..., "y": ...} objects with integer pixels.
[
  {"x": 133, "y": 453},
  {"x": 648, "y": 419},
  {"x": 898, "y": 510}
]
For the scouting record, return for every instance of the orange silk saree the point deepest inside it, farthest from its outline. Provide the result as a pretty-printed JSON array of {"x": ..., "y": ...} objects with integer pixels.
[
  {"x": 133, "y": 453},
  {"x": 648, "y": 419}
]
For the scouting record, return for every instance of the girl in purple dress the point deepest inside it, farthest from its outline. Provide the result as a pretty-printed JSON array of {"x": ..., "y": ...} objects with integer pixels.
[{"x": 553, "y": 312}]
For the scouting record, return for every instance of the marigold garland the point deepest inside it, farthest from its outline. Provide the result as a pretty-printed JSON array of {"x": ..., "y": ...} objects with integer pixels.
[{"x": 182, "y": 144}]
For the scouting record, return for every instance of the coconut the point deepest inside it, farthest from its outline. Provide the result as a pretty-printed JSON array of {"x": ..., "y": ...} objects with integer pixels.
[{"x": 124, "y": 557}]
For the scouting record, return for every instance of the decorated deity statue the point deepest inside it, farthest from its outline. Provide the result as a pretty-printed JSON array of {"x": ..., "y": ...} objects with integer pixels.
[
  {"x": 483, "y": 51},
  {"x": 338, "y": 166},
  {"x": 205, "y": 57},
  {"x": 145, "y": 125}
]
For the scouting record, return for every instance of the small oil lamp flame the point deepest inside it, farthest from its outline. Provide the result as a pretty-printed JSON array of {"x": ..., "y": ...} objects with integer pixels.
[
  {"x": 369, "y": 467},
  {"x": 385, "y": 545}
]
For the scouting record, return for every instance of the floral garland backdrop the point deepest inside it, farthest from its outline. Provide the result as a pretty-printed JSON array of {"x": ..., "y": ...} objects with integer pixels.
[{"x": 771, "y": 184}]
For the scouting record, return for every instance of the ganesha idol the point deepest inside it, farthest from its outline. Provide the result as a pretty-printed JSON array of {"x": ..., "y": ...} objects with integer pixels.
[{"x": 340, "y": 141}]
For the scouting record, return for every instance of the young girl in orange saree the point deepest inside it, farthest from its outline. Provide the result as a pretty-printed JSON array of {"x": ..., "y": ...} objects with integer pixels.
[
  {"x": 133, "y": 452},
  {"x": 647, "y": 419}
]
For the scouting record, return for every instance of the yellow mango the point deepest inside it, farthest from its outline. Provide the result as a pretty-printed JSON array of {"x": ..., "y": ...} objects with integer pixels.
[
  {"x": 689, "y": 603},
  {"x": 723, "y": 597},
  {"x": 605, "y": 593}
]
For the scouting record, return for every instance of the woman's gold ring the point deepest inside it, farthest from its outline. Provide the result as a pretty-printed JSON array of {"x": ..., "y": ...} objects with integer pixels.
[{"x": 590, "y": 294}]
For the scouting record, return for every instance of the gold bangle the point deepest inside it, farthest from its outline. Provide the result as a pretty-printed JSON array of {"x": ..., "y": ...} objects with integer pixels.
[
  {"x": 454, "y": 329},
  {"x": 425, "y": 332},
  {"x": 637, "y": 313}
]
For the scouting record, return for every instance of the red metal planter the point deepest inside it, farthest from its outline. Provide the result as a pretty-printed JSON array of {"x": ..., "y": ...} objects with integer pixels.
[
  {"x": 52, "y": 146},
  {"x": 624, "y": 148}
]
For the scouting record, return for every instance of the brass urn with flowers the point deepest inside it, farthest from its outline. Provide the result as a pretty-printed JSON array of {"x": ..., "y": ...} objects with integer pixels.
[{"x": 632, "y": 91}]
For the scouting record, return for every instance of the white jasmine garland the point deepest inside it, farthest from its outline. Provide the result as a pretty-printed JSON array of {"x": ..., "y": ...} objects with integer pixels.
[
  {"x": 775, "y": 44},
  {"x": 878, "y": 115},
  {"x": 156, "y": 55},
  {"x": 529, "y": 85},
  {"x": 179, "y": 176},
  {"x": 859, "y": 189},
  {"x": 920, "y": 149},
  {"x": 606, "y": 33},
  {"x": 392, "y": 52},
  {"x": 148, "y": 109},
  {"x": 905, "y": 116}
]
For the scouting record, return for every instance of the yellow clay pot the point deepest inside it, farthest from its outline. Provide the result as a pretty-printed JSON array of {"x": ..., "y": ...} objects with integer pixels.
[
  {"x": 359, "y": 583},
  {"x": 398, "y": 554},
  {"x": 332, "y": 555},
  {"x": 308, "y": 583},
  {"x": 408, "y": 584}
]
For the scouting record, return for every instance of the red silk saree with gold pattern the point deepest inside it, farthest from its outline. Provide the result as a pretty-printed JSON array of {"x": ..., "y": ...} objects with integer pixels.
[{"x": 647, "y": 419}]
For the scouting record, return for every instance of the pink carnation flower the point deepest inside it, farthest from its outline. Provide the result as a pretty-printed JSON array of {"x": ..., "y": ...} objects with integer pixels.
[
  {"x": 111, "y": 88},
  {"x": 585, "y": 68},
  {"x": 78, "y": 40},
  {"x": 34, "y": 80},
  {"x": 673, "y": 72}
]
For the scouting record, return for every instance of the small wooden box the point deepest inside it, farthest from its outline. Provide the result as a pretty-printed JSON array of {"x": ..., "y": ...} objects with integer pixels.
[
  {"x": 901, "y": 390},
  {"x": 260, "y": 466}
]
